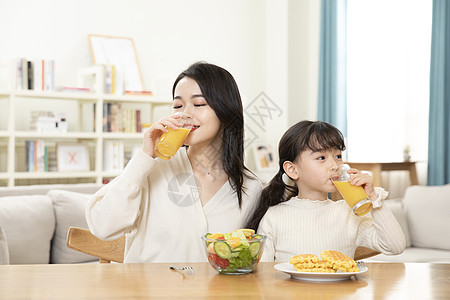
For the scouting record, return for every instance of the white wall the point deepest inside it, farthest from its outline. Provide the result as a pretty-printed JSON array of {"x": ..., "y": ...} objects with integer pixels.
[
  {"x": 269, "y": 46},
  {"x": 169, "y": 35},
  {"x": 304, "y": 42},
  {"x": 292, "y": 59}
]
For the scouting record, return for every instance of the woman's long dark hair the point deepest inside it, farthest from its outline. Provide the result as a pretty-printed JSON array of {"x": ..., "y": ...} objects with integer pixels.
[
  {"x": 316, "y": 136},
  {"x": 222, "y": 94}
]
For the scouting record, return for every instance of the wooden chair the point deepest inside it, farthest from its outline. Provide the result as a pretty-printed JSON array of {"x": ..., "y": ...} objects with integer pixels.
[
  {"x": 83, "y": 240},
  {"x": 363, "y": 252}
]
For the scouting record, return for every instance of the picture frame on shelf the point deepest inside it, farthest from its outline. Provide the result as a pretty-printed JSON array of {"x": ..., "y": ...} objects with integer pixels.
[
  {"x": 119, "y": 52},
  {"x": 72, "y": 157},
  {"x": 264, "y": 157}
]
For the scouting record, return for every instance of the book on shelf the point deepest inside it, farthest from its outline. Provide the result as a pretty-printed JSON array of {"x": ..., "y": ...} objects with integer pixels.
[
  {"x": 113, "y": 155},
  {"x": 19, "y": 84},
  {"x": 117, "y": 119},
  {"x": 48, "y": 75},
  {"x": 24, "y": 74},
  {"x": 110, "y": 79},
  {"x": 133, "y": 121},
  {"x": 138, "y": 121},
  {"x": 36, "y": 156},
  {"x": 38, "y": 75},
  {"x": 30, "y": 70},
  {"x": 142, "y": 93},
  {"x": 73, "y": 89}
]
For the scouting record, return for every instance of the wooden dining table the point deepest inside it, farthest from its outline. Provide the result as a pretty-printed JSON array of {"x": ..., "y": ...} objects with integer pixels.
[{"x": 156, "y": 280}]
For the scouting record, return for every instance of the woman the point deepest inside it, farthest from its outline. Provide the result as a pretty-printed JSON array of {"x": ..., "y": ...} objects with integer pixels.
[{"x": 165, "y": 206}]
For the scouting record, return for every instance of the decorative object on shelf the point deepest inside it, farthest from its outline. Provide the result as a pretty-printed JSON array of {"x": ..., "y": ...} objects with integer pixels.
[
  {"x": 72, "y": 157},
  {"x": 121, "y": 53},
  {"x": 92, "y": 78},
  {"x": 48, "y": 121},
  {"x": 407, "y": 153},
  {"x": 264, "y": 157}
]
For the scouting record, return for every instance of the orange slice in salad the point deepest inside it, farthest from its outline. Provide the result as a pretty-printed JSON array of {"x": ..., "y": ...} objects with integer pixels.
[
  {"x": 215, "y": 235},
  {"x": 246, "y": 231},
  {"x": 234, "y": 242}
]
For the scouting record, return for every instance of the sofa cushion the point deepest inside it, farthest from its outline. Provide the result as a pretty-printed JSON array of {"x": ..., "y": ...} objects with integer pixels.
[
  {"x": 415, "y": 255},
  {"x": 28, "y": 223},
  {"x": 427, "y": 212},
  {"x": 69, "y": 211},
  {"x": 396, "y": 207},
  {"x": 4, "y": 253},
  {"x": 43, "y": 189}
]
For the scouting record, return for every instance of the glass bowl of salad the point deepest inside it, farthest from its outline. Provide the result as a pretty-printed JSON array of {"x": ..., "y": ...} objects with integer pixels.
[{"x": 234, "y": 253}]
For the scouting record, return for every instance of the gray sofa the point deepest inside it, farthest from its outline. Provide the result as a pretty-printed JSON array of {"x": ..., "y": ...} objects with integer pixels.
[
  {"x": 424, "y": 214},
  {"x": 34, "y": 221}
]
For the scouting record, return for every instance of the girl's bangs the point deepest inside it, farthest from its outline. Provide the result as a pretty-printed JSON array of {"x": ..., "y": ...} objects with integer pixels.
[{"x": 320, "y": 140}]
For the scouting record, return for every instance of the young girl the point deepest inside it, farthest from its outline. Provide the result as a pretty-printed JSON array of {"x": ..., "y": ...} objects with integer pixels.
[
  {"x": 300, "y": 219},
  {"x": 165, "y": 206}
]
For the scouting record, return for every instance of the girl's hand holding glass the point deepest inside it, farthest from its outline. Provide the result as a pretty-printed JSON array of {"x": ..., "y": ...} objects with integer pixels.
[
  {"x": 365, "y": 180},
  {"x": 349, "y": 183}
]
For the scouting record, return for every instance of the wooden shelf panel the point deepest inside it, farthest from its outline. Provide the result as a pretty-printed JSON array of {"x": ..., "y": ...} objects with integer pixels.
[
  {"x": 135, "y": 99},
  {"x": 56, "y": 135},
  {"x": 122, "y": 135},
  {"x": 55, "y": 175},
  {"x": 57, "y": 95},
  {"x": 50, "y": 175}
]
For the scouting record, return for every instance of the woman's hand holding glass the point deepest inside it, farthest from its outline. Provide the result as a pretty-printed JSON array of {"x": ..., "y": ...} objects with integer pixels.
[{"x": 154, "y": 132}]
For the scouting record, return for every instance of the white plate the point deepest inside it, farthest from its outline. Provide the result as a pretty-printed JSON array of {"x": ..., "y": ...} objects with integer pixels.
[{"x": 289, "y": 269}]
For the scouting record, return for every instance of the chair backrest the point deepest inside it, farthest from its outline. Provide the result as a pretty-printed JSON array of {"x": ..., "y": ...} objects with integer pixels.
[
  {"x": 363, "y": 252},
  {"x": 83, "y": 240}
]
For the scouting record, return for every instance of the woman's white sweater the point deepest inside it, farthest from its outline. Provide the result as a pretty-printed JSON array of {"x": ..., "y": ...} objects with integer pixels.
[{"x": 156, "y": 204}]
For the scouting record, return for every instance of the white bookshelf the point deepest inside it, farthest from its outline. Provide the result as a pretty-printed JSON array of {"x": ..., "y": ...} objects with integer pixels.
[{"x": 13, "y": 133}]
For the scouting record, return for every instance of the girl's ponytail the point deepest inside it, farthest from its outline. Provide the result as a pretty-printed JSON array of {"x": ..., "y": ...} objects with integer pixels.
[{"x": 274, "y": 193}]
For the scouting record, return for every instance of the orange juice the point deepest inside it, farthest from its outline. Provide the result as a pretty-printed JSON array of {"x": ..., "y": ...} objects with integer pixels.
[
  {"x": 170, "y": 142},
  {"x": 355, "y": 196}
]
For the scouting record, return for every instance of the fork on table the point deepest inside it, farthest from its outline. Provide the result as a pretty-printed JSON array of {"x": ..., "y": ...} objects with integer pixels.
[
  {"x": 185, "y": 271},
  {"x": 360, "y": 264}
]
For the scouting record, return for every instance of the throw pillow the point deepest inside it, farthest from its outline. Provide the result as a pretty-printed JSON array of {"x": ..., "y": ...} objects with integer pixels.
[
  {"x": 69, "y": 211},
  {"x": 427, "y": 211},
  {"x": 396, "y": 209},
  {"x": 28, "y": 223},
  {"x": 4, "y": 253}
]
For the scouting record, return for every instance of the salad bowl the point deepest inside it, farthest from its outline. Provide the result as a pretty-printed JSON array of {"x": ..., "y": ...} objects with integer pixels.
[{"x": 234, "y": 253}]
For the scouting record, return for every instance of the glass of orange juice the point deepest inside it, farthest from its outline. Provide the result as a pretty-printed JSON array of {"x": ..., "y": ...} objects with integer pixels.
[
  {"x": 173, "y": 139},
  {"x": 355, "y": 196}
]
